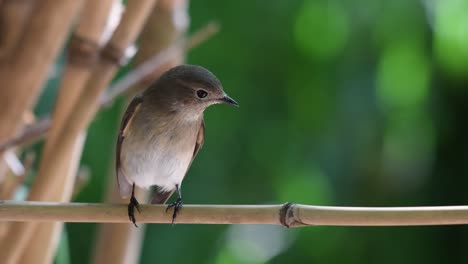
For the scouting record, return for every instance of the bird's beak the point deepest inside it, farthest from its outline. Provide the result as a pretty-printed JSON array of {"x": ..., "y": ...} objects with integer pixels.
[{"x": 228, "y": 100}]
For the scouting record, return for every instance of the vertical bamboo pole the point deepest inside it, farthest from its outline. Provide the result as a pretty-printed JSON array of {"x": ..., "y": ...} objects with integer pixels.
[
  {"x": 83, "y": 111},
  {"x": 14, "y": 16},
  {"x": 169, "y": 22},
  {"x": 121, "y": 243},
  {"x": 34, "y": 53},
  {"x": 82, "y": 57},
  {"x": 41, "y": 246},
  {"x": 25, "y": 75}
]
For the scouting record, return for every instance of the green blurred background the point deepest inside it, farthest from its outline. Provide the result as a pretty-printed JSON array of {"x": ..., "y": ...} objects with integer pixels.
[{"x": 350, "y": 103}]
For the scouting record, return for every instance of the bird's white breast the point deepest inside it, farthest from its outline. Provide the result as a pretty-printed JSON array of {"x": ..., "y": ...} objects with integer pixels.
[{"x": 160, "y": 156}]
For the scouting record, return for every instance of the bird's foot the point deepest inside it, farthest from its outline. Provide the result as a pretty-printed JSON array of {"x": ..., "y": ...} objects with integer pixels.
[
  {"x": 177, "y": 206},
  {"x": 131, "y": 209}
]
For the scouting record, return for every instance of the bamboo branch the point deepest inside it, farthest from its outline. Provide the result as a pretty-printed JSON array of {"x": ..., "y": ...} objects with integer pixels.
[
  {"x": 28, "y": 135},
  {"x": 289, "y": 214},
  {"x": 156, "y": 61},
  {"x": 33, "y": 133},
  {"x": 167, "y": 25}
]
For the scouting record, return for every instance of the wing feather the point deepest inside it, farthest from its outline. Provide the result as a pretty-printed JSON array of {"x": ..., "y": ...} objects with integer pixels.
[
  {"x": 125, "y": 187},
  {"x": 200, "y": 140}
]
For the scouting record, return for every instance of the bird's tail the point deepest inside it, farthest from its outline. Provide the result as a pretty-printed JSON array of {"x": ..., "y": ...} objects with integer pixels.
[{"x": 161, "y": 197}]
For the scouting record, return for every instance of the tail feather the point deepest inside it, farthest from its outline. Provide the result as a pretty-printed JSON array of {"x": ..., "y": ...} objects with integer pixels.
[{"x": 161, "y": 197}]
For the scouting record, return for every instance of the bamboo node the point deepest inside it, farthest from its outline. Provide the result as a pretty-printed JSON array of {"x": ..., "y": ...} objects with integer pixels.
[
  {"x": 289, "y": 216},
  {"x": 114, "y": 55},
  {"x": 286, "y": 214},
  {"x": 83, "y": 51}
]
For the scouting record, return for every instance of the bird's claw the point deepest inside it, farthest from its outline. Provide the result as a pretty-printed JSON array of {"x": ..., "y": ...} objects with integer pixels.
[
  {"x": 177, "y": 206},
  {"x": 131, "y": 209}
]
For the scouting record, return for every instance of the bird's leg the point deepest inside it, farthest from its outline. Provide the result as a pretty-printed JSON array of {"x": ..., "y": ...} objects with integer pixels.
[
  {"x": 177, "y": 204},
  {"x": 132, "y": 205}
]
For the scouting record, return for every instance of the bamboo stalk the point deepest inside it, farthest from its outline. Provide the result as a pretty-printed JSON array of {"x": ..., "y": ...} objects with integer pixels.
[
  {"x": 12, "y": 181},
  {"x": 14, "y": 16},
  {"x": 25, "y": 75},
  {"x": 289, "y": 214},
  {"x": 167, "y": 24},
  {"x": 82, "y": 180},
  {"x": 121, "y": 243},
  {"x": 83, "y": 54},
  {"x": 87, "y": 105},
  {"x": 50, "y": 173},
  {"x": 82, "y": 57},
  {"x": 123, "y": 86},
  {"x": 44, "y": 237},
  {"x": 117, "y": 242}
]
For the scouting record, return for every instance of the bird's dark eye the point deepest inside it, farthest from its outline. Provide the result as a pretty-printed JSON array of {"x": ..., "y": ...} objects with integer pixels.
[{"x": 202, "y": 93}]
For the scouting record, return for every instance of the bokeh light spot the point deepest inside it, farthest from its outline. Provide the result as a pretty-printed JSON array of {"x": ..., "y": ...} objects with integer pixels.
[
  {"x": 408, "y": 149},
  {"x": 306, "y": 184},
  {"x": 251, "y": 244},
  {"x": 310, "y": 96},
  {"x": 403, "y": 76},
  {"x": 321, "y": 29},
  {"x": 451, "y": 36}
]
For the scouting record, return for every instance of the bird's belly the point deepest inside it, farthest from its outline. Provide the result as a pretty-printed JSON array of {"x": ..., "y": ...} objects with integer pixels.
[{"x": 153, "y": 165}]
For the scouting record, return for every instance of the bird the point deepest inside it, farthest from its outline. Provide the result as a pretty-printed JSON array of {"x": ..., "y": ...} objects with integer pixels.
[{"x": 162, "y": 131}]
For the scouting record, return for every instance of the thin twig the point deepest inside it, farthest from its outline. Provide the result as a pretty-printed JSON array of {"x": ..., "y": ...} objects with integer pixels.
[
  {"x": 36, "y": 131},
  {"x": 31, "y": 133},
  {"x": 156, "y": 61},
  {"x": 289, "y": 214}
]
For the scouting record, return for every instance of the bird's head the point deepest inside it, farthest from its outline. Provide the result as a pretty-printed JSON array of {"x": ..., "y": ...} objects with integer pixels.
[{"x": 191, "y": 87}]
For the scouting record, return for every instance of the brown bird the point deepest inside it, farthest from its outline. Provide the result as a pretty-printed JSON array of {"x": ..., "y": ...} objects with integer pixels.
[{"x": 162, "y": 131}]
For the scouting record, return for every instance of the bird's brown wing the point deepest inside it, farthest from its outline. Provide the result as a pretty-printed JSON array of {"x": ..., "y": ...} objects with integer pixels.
[
  {"x": 199, "y": 142},
  {"x": 161, "y": 197},
  {"x": 124, "y": 186}
]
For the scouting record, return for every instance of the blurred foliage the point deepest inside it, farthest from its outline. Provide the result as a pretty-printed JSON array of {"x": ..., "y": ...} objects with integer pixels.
[
  {"x": 357, "y": 103},
  {"x": 451, "y": 36}
]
